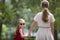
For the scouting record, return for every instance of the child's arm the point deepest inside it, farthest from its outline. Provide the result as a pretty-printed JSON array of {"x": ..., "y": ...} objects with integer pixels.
[{"x": 21, "y": 32}]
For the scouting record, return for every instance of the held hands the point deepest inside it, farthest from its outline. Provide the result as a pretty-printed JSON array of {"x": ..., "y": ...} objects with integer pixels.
[{"x": 28, "y": 35}]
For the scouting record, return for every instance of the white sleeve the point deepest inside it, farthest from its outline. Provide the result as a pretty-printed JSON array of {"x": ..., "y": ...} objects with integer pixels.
[
  {"x": 52, "y": 19},
  {"x": 36, "y": 18}
]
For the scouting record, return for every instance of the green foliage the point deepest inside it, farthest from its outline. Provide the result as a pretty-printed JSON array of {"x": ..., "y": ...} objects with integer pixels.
[
  {"x": 57, "y": 16},
  {"x": 19, "y": 9},
  {"x": 26, "y": 9},
  {"x": 12, "y": 10},
  {"x": 5, "y": 29}
]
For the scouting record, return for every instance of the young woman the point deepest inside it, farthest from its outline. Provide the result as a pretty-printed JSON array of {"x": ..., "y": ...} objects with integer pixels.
[
  {"x": 45, "y": 21},
  {"x": 19, "y": 35}
]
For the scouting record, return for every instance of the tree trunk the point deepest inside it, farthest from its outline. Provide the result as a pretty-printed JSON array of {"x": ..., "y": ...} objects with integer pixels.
[
  {"x": 0, "y": 28},
  {"x": 55, "y": 35}
]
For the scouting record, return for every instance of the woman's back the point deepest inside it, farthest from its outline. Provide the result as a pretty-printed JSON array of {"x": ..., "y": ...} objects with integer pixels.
[{"x": 40, "y": 22}]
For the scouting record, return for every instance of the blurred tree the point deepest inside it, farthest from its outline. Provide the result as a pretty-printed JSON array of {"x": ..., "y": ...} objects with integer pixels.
[{"x": 2, "y": 10}]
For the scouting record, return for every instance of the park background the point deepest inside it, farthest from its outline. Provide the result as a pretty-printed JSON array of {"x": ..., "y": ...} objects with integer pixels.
[{"x": 12, "y": 10}]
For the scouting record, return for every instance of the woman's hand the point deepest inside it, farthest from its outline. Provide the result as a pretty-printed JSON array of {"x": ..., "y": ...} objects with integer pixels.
[{"x": 28, "y": 35}]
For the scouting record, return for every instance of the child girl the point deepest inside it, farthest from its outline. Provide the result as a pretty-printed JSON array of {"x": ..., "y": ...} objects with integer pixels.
[{"x": 19, "y": 35}]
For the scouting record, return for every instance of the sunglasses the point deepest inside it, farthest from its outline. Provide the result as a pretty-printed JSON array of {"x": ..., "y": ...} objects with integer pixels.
[{"x": 22, "y": 23}]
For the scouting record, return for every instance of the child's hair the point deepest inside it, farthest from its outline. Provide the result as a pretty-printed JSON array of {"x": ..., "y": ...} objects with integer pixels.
[
  {"x": 45, "y": 5},
  {"x": 21, "y": 21}
]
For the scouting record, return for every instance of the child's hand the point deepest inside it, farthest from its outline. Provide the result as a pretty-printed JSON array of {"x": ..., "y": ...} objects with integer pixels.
[
  {"x": 21, "y": 32},
  {"x": 28, "y": 35}
]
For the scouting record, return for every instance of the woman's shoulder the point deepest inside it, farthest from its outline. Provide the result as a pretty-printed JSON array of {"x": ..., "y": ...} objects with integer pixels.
[{"x": 50, "y": 14}]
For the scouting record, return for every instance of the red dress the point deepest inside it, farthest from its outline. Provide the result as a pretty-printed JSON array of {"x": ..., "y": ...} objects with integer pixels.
[{"x": 17, "y": 35}]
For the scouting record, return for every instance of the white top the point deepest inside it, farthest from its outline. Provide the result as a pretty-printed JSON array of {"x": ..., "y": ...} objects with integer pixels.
[{"x": 38, "y": 19}]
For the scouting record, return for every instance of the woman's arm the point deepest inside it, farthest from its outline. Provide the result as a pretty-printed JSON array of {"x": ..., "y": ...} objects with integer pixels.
[
  {"x": 31, "y": 28},
  {"x": 52, "y": 27}
]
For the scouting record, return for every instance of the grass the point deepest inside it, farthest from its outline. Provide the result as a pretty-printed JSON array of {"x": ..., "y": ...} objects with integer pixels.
[{"x": 30, "y": 38}]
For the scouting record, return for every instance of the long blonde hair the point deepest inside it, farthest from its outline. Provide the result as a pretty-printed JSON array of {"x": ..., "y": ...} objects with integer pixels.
[{"x": 45, "y": 5}]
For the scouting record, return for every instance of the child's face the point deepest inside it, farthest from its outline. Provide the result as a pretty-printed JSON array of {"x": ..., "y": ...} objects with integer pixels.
[{"x": 22, "y": 24}]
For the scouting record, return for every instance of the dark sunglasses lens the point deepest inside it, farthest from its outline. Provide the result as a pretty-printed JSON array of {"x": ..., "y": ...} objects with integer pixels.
[{"x": 22, "y": 23}]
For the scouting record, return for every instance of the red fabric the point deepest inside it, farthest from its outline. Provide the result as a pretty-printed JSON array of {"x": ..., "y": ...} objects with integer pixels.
[{"x": 17, "y": 35}]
